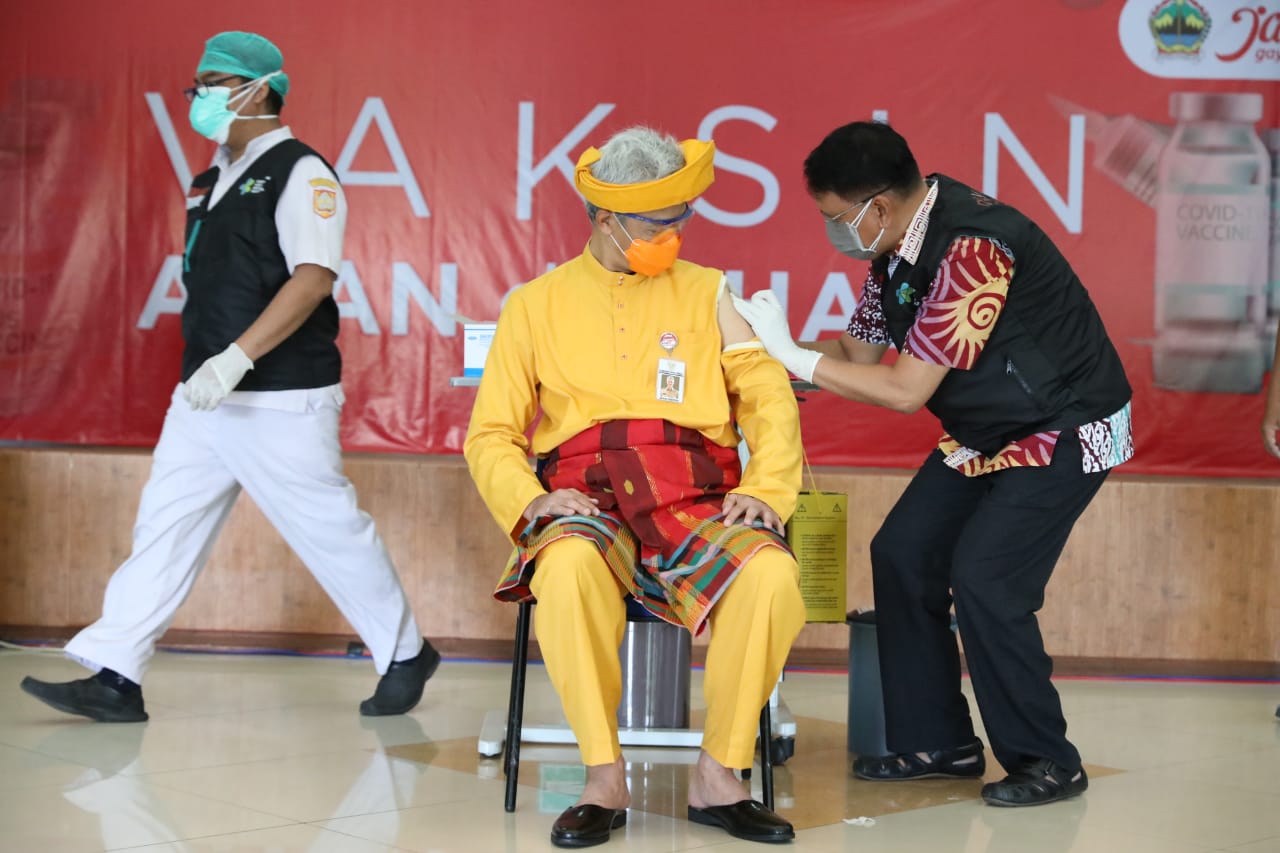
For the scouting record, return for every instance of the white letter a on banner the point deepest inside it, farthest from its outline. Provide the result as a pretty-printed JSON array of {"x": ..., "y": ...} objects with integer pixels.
[{"x": 374, "y": 111}]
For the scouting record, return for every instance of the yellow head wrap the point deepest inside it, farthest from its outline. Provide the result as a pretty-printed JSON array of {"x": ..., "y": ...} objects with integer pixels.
[{"x": 685, "y": 184}]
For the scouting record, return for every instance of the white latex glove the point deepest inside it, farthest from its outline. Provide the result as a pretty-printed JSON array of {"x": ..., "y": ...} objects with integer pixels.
[
  {"x": 216, "y": 378},
  {"x": 769, "y": 322}
]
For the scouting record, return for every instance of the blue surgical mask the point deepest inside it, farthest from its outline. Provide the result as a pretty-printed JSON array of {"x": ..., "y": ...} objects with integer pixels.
[
  {"x": 210, "y": 114},
  {"x": 845, "y": 238}
]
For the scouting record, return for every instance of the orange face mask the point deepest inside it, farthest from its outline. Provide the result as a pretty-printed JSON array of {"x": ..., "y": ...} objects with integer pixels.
[{"x": 652, "y": 257}]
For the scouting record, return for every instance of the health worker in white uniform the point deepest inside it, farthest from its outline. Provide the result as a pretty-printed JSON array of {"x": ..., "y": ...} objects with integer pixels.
[{"x": 258, "y": 405}]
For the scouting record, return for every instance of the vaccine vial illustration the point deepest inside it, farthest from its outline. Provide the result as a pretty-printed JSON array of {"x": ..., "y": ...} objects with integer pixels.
[{"x": 1213, "y": 234}]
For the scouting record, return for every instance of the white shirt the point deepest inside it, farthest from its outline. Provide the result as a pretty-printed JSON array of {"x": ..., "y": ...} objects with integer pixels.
[{"x": 311, "y": 216}]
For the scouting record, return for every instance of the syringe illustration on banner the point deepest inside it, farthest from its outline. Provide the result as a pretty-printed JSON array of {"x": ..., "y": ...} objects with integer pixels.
[{"x": 1214, "y": 184}]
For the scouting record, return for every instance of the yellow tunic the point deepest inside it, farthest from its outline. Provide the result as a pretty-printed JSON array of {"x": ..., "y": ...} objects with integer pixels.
[{"x": 581, "y": 343}]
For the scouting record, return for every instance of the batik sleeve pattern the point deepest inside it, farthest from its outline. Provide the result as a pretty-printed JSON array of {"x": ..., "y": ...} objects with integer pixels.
[
  {"x": 965, "y": 300},
  {"x": 1108, "y": 442},
  {"x": 867, "y": 323}
]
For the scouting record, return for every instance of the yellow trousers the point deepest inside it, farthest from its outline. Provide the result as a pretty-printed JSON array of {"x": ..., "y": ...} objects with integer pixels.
[{"x": 581, "y": 618}]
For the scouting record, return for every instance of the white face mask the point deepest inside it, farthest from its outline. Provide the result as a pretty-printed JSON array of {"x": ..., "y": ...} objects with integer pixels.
[
  {"x": 210, "y": 114},
  {"x": 845, "y": 238}
]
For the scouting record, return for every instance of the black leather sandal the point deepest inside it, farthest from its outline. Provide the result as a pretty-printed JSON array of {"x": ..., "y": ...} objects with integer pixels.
[
  {"x": 586, "y": 825},
  {"x": 747, "y": 819},
  {"x": 1036, "y": 783},
  {"x": 961, "y": 762}
]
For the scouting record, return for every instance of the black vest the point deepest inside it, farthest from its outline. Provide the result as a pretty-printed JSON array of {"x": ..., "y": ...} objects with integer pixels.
[
  {"x": 1048, "y": 363},
  {"x": 233, "y": 268}
]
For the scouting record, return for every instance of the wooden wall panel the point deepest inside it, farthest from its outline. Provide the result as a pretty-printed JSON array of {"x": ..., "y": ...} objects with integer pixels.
[{"x": 1156, "y": 569}]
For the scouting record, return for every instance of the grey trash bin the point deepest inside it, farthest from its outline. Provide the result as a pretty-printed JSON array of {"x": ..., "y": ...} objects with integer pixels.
[
  {"x": 866, "y": 695},
  {"x": 866, "y": 698},
  {"x": 655, "y": 673}
]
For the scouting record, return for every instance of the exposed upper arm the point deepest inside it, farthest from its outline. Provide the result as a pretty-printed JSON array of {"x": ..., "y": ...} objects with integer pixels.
[
  {"x": 316, "y": 278},
  {"x": 733, "y": 329}
]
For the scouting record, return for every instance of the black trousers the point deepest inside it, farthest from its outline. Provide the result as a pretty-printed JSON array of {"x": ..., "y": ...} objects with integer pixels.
[{"x": 990, "y": 542}]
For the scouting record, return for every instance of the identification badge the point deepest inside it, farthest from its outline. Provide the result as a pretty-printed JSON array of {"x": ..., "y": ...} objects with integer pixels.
[{"x": 671, "y": 376}]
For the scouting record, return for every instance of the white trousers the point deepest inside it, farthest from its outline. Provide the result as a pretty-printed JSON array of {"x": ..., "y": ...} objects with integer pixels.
[{"x": 290, "y": 463}]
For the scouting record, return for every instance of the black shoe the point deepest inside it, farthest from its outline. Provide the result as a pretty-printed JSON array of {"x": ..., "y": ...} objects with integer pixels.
[
  {"x": 90, "y": 698},
  {"x": 586, "y": 826},
  {"x": 749, "y": 820},
  {"x": 401, "y": 687},
  {"x": 1035, "y": 783},
  {"x": 956, "y": 763}
]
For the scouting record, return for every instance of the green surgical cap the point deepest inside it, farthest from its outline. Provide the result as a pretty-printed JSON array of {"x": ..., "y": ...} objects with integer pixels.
[{"x": 247, "y": 55}]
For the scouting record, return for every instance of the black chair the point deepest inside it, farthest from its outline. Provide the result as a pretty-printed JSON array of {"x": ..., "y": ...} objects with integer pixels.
[{"x": 515, "y": 719}]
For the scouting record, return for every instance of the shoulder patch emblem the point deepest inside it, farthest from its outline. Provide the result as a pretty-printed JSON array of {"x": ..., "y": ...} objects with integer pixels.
[
  {"x": 324, "y": 197},
  {"x": 324, "y": 203}
]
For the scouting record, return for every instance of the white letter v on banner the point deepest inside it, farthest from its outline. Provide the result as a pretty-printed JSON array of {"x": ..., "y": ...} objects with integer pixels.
[{"x": 160, "y": 115}]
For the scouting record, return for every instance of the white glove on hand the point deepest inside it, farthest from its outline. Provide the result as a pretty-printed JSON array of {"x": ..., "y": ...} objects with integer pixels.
[
  {"x": 216, "y": 378},
  {"x": 769, "y": 322}
]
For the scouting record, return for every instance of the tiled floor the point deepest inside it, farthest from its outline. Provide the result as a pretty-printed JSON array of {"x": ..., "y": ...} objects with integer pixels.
[{"x": 268, "y": 753}]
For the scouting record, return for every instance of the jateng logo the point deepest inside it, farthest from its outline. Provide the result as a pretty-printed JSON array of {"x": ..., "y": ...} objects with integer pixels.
[
  {"x": 1203, "y": 39},
  {"x": 1180, "y": 26}
]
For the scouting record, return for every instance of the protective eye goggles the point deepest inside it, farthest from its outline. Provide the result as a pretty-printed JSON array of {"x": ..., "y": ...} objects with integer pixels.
[{"x": 663, "y": 223}]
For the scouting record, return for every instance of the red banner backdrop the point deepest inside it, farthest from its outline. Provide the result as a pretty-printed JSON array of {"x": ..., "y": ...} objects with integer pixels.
[{"x": 454, "y": 127}]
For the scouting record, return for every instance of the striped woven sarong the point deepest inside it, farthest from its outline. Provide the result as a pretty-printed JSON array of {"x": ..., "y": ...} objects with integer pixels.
[{"x": 660, "y": 489}]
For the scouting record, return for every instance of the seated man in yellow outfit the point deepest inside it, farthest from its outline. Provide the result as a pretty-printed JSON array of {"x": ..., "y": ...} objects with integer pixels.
[{"x": 639, "y": 489}]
